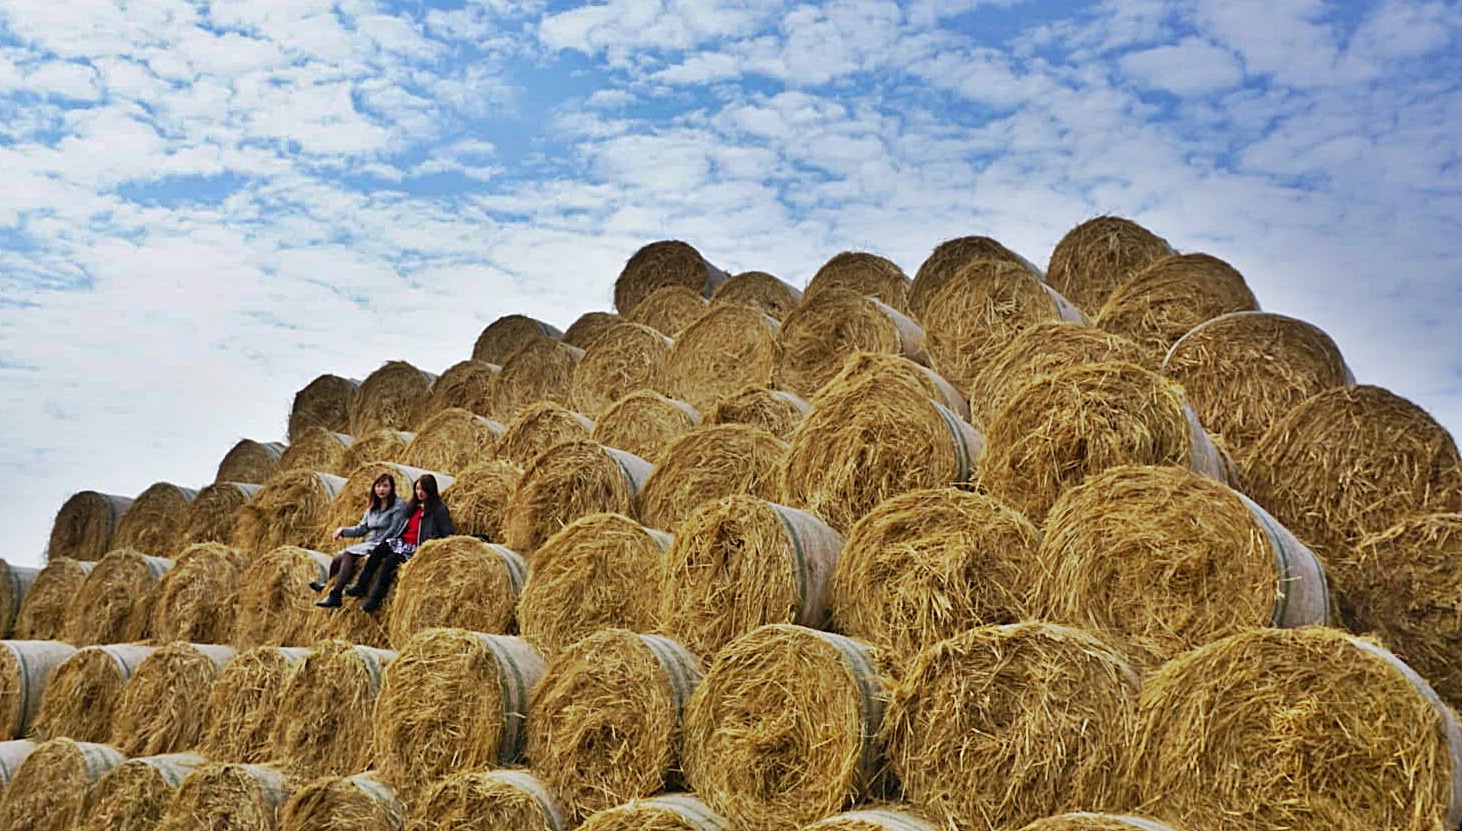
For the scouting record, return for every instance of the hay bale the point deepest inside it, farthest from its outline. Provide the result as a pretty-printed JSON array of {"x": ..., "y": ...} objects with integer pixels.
[
  {"x": 742, "y": 562},
  {"x": 12, "y": 754},
  {"x": 866, "y": 366},
  {"x": 464, "y": 385},
  {"x": 452, "y": 440},
  {"x": 244, "y": 702},
  {"x": 571, "y": 480},
  {"x": 758, "y": 290},
  {"x": 352, "y": 625},
  {"x": 1303, "y": 729},
  {"x": 497, "y": 800},
  {"x": 324, "y": 402},
  {"x": 456, "y": 581},
  {"x": 929, "y": 564},
  {"x": 197, "y": 599},
  {"x": 480, "y": 495},
  {"x": 645, "y": 423},
  {"x": 15, "y": 584},
  {"x": 113, "y": 602},
  {"x": 1002, "y": 725},
  {"x": 358, "y": 803},
  {"x": 1165, "y": 300},
  {"x": 948, "y": 258},
  {"x": 243, "y": 797},
  {"x": 384, "y": 445},
  {"x": 669, "y": 812},
  {"x": 83, "y": 527},
  {"x": 1244, "y": 371},
  {"x": 601, "y": 571},
  {"x": 543, "y": 370},
  {"x": 81, "y": 695},
  {"x": 864, "y": 274},
  {"x": 615, "y": 684},
  {"x": 832, "y": 325},
  {"x": 538, "y": 428},
  {"x": 726, "y": 349},
  {"x": 668, "y": 310},
  {"x": 506, "y": 335},
  {"x": 1160, "y": 560},
  {"x": 453, "y": 700},
  {"x": 49, "y": 789},
  {"x": 774, "y": 411},
  {"x": 356, "y": 495},
  {"x": 210, "y": 516},
  {"x": 624, "y": 358},
  {"x": 292, "y": 510},
  {"x": 162, "y": 708},
  {"x": 250, "y": 462},
  {"x": 134, "y": 794},
  {"x": 1074, "y": 423},
  {"x": 42, "y": 614},
  {"x": 588, "y": 326},
  {"x": 783, "y": 729},
  {"x": 275, "y": 603},
  {"x": 664, "y": 263},
  {"x": 323, "y": 724},
  {"x": 25, "y": 670},
  {"x": 1085, "y": 821},
  {"x": 395, "y": 396},
  {"x": 154, "y": 521},
  {"x": 317, "y": 449},
  {"x": 874, "y": 818},
  {"x": 1100, "y": 254},
  {"x": 707, "y": 464}
]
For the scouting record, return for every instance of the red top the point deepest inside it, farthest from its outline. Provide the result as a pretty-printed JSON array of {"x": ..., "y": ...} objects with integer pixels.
[{"x": 413, "y": 527}]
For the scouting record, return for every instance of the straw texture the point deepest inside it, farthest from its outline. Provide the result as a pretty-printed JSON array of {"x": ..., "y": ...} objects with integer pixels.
[
  {"x": 244, "y": 701},
  {"x": 162, "y": 708},
  {"x": 245, "y": 797},
  {"x": 947, "y": 259},
  {"x": 538, "y": 428},
  {"x": 566, "y": 482},
  {"x": 452, "y": 440},
  {"x": 43, "y": 611},
  {"x": 292, "y": 510},
  {"x": 250, "y": 462},
  {"x": 324, "y": 402},
  {"x": 479, "y": 496},
  {"x": 664, "y": 263},
  {"x": 274, "y": 599},
  {"x": 645, "y": 423},
  {"x": 589, "y": 326},
  {"x": 707, "y": 464},
  {"x": 874, "y": 818},
  {"x": 464, "y": 385},
  {"x": 499, "y": 800},
  {"x": 210, "y": 516},
  {"x": 154, "y": 520},
  {"x": 624, "y": 358},
  {"x": 395, "y": 396},
  {"x": 83, "y": 526},
  {"x": 317, "y": 449},
  {"x": 48, "y": 791},
  {"x": 343, "y": 803},
  {"x": 15, "y": 584},
  {"x": 457, "y": 581},
  {"x": 197, "y": 599},
  {"x": 134, "y": 795},
  {"x": 668, "y": 310},
  {"x": 25, "y": 670},
  {"x": 1085, "y": 821},
  {"x": 543, "y": 370},
  {"x": 384, "y": 445},
  {"x": 323, "y": 724},
  {"x": 758, "y": 290},
  {"x": 1100, "y": 254},
  {"x": 1163, "y": 301},
  {"x": 830, "y": 326},
  {"x": 774, "y": 411},
  {"x": 727, "y": 348},
  {"x": 82, "y": 693},
  {"x": 863, "y": 274},
  {"x": 669, "y": 812},
  {"x": 111, "y": 606},
  {"x": 505, "y": 336}
]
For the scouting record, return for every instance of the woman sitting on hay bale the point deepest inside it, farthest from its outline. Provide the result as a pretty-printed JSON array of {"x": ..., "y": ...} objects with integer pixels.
[
  {"x": 426, "y": 519},
  {"x": 384, "y": 518}
]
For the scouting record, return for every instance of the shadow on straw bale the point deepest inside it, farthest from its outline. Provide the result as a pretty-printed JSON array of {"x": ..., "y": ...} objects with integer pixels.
[
  {"x": 42, "y": 613},
  {"x": 316, "y": 449},
  {"x": 588, "y": 326},
  {"x": 360, "y": 803},
  {"x": 758, "y": 290},
  {"x": 249, "y": 796},
  {"x": 84, "y": 524},
  {"x": 667, "y": 812},
  {"x": 134, "y": 794},
  {"x": 506, "y": 335},
  {"x": 154, "y": 521},
  {"x": 250, "y": 462},
  {"x": 774, "y": 411},
  {"x": 1100, "y": 254},
  {"x": 25, "y": 670},
  {"x": 459, "y": 582},
  {"x": 113, "y": 603},
  {"x": 538, "y": 428},
  {"x": 292, "y": 510},
  {"x": 162, "y": 708},
  {"x": 384, "y": 445},
  {"x": 210, "y": 516},
  {"x": 324, "y": 402}
]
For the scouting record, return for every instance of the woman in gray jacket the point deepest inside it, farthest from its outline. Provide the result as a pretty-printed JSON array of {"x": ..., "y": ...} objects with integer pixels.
[{"x": 384, "y": 518}]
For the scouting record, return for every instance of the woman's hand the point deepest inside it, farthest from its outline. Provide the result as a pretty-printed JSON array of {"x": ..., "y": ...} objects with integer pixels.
[{"x": 339, "y": 532}]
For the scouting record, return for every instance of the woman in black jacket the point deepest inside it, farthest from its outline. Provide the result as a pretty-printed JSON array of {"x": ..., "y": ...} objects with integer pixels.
[{"x": 426, "y": 519}]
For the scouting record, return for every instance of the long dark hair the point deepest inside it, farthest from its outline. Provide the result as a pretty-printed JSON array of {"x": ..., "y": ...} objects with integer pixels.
[
  {"x": 378, "y": 504},
  {"x": 428, "y": 483}
]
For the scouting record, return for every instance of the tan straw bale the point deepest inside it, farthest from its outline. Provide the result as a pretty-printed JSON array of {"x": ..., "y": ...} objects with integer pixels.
[
  {"x": 250, "y": 462},
  {"x": 645, "y": 423},
  {"x": 323, "y": 725},
  {"x": 829, "y": 327},
  {"x": 863, "y": 274},
  {"x": 15, "y": 583},
  {"x": 81, "y": 696},
  {"x": 210, "y": 516},
  {"x": 758, "y": 290},
  {"x": 293, "y": 510},
  {"x": 948, "y": 258},
  {"x": 343, "y": 803},
  {"x": 707, "y": 464},
  {"x": 624, "y": 358},
  {"x": 457, "y": 581},
  {"x": 667, "y": 812},
  {"x": 134, "y": 794},
  {"x": 481, "y": 800},
  {"x": 1086, "y": 821},
  {"x": 112, "y": 603},
  {"x": 668, "y": 310},
  {"x": 774, "y": 411},
  {"x": 48, "y": 792},
  {"x": 83, "y": 527},
  {"x": 324, "y": 402},
  {"x": 877, "y": 817},
  {"x": 162, "y": 708},
  {"x": 463, "y": 385},
  {"x": 25, "y": 670},
  {"x": 601, "y": 571},
  {"x": 275, "y": 604},
  {"x": 12, "y": 754},
  {"x": 42, "y": 614},
  {"x": 588, "y": 326},
  {"x": 1304, "y": 729},
  {"x": 395, "y": 396},
  {"x": 664, "y": 263},
  {"x": 727, "y": 348},
  {"x": 538, "y": 428},
  {"x": 452, "y": 440},
  {"x": 571, "y": 480},
  {"x": 480, "y": 495},
  {"x": 154, "y": 521},
  {"x": 506, "y": 335},
  {"x": 384, "y": 445},
  {"x": 228, "y": 797},
  {"x": 863, "y": 366},
  {"x": 1165, "y": 300},
  {"x": 352, "y": 500},
  {"x": 352, "y": 625},
  {"x": 244, "y": 702},
  {"x": 543, "y": 370},
  {"x": 1100, "y": 254},
  {"x": 197, "y": 599}
]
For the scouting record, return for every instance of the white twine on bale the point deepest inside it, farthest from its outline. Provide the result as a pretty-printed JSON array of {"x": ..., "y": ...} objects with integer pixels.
[
  {"x": 1204, "y": 457},
  {"x": 519, "y": 669},
  {"x": 526, "y": 782},
  {"x": 969, "y": 444},
  {"x": 12, "y": 755},
  {"x": 635, "y": 469},
  {"x": 1303, "y": 596},
  {"x": 815, "y": 549},
  {"x": 20, "y": 579},
  {"x": 855, "y": 656},
  {"x": 681, "y": 668},
  {"x": 691, "y": 809},
  {"x": 516, "y": 568},
  {"x": 892, "y": 820},
  {"x": 36, "y": 660}
]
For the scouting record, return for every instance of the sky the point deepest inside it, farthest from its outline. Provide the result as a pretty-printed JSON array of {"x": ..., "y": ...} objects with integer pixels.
[{"x": 204, "y": 205}]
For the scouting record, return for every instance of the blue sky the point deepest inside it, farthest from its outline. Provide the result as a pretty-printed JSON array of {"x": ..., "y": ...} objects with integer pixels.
[{"x": 206, "y": 204}]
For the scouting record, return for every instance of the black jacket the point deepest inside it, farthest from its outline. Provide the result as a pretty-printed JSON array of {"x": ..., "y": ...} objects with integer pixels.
[{"x": 436, "y": 522}]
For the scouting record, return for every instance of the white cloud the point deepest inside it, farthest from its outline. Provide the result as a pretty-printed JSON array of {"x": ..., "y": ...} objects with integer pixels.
[{"x": 1189, "y": 67}]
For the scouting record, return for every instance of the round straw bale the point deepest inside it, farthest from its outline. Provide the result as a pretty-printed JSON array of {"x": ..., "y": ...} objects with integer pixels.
[
  {"x": 624, "y": 358},
  {"x": 948, "y": 258},
  {"x": 741, "y": 562},
  {"x": 783, "y": 728},
  {"x": 507, "y": 335},
  {"x": 664, "y": 263},
  {"x": 1163, "y": 301},
  {"x": 161, "y": 709},
  {"x": 352, "y": 500},
  {"x": 605, "y": 722},
  {"x": 250, "y": 462},
  {"x": 324, "y": 402},
  {"x": 343, "y": 803},
  {"x": 352, "y": 625},
  {"x": 668, "y": 812},
  {"x": 543, "y": 370},
  {"x": 83, "y": 527},
  {"x": 709, "y": 463},
  {"x": 929, "y": 564},
  {"x": 15, "y": 584},
  {"x": 774, "y": 411},
  {"x": 538, "y": 428},
  {"x": 384, "y": 445},
  {"x": 43, "y": 611},
  {"x": 134, "y": 794},
  {"x": 1303, "y": 729},
  {"x": 588, "y": 326},
  {"x": 480, "y": 495},
  {"x": 1002, "y": 725},
  {"x": 48, "y": 791},
  {"x": 452, "y": 440},
  {"x": 154, "y": 521},
  {"x": 464, "y": 385},
  {"x": 728, "y": 348},
  {"x": 645, "y": 423},
  {"x": 874, "y": 818},
  {"x": 292, "y": 510},
  {"x": 323, "y": 724},
  {"x": 600, "y": 571},
  {"x": 453, "y": 700},
  {"x": 112, "y": 603},
  {"x": 821, "y": 334},
  {"x": 668, "y": 310},
  {"x": 210, "y": 516},
  {"x": 758, "y": 290},
  {"x": 1084, "y": 821},
  {"x": 1244, "y": 371},
  {"x": 274, "y": 602},
  {"x": 565, "y": 482},
  {"x": 862, "y": 366},
  {"x": 25, "y": 669},
  {"x": 12, "y": 754},
  {"x": 496, "y": 800},
  {"x": 1076, "y": 422},
  {"x": 228, "y": 797},
  {"x": 81, "y": 695},
  {"x": 198, "y": 598},
  {"x": 863, "y": 274},
  {"x": 1100, "y": 254},
  {"x": 244, "y": 701},
  {"x": 395, "y": 396},
  {"x": 457, "y": 581}
]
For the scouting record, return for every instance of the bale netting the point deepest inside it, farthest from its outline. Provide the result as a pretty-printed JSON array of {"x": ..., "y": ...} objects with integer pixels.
[
  {"x": 618, "y": 684},
  {"x": 1160, "y": 560},
  {"x": 1077, "y": 422},
  {"x": 355, "y": 497},
  {"x": 1100, "y": 254},
  {"x": 134, "y": 794},
  {"x": 12, "y": 754},
  {"x": 83, "y": 527},
  {"x": 543, "y": 370},
  {"x": 112, "y": 604},
  {"x": 456, "y": 581},
  {"x": 948, "y": 258},
  {"x": 668, "y": 812},
  {"x": 874, "y": 818},
  {"x": 453, "y": 700},
  {"x": 669, "y": 310},
  {"x": 571, "y": 480},
  {"x": 758, "y": 290},
  {"x": 25, "y": 670},
  {"x": 197, "y": 600},
  {"x": 395, "y": 396},
  {"x": 1086, "y": 821},
  {"x": 707, "y": 464},
  {"x": 1163, "y": 302},
  {"x": 82, "y": 694},
  {"x": 624, "y": 358},
  {"x": 728, "y": 348},
  {"x": 645, "y": 423},
  {"x": 275, "y": 603},
  {"x": 244, "y": 702},
  {"x": 600, "y": 572},
  {"x": 464, "y": 385},
  {"x": 228, "y": 797},
  {"x": 480, "y": 495},
  {"x": 784, "y": 728},
  {"x": 48, "y": 792},
  {"x": 155, "y": 520},
  {"x": 210, "y": 516},
  {"x": 864, "y": 274},
  {"x": 774, "y": 411},
  {"x": 481, "y": 800},
  {"x": 343, "y": 803},
  {"x": 323, "y": 723},
  {"x": 505, "y": 336},
  {"x": 293, "y": 510},
  {"x": 162, "y": 708},
  {"x": 1304, "y": 729},
  {"x": 317, "y": 449},
  {"x": 1244, "y": 371},
  {"x": 660, "y": 264},
  {"x": 741, "y": 562},
  {"x": 324, "y": 402},
  {"x": 42, "y": 613},
  {"x": 15, "y": 583},
  {"x": 250, "y": 462},
  {"x": 538, "y": 428},
  {"x": 384, "y": 445},
  {"x": 588, "y": 326},
  {"x": 929, "y": 564},
  {"x": 452, "y": 440},
  {"x": 832, "y": 325},
  {"x": 1002, "y": 725}
]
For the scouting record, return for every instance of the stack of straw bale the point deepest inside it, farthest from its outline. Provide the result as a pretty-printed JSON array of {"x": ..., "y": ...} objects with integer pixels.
[
  {"x": 668, "y": 310},
  {"x": 479, "y": 496},
  {"x": 383, "y": 445},
  {"x": 15, "y": 584},
  {"x": 571, "y": 480},
  {"x": 538, "y": 428},
  {"x": 864, "y": 274},
  {"x": 1163, "y": 301},
  {"x": 707, "y": 464},
  {"x": 543, "y": 370},
  {"x": 323, "y": 723},
  {"x": 728, "y": 348},
  {"x": 588, "y": 326},
  {"x": 463, "y": 385},
  {"x": 496, "y": 800},
  {"x": 274, "y": 601},
  {"x": 506, "y": 335},
  {"x": 197, "y": 599},
  {"x": 248, "y": 796},
  {"x": 645, "y": 423},
  {"x": 292, "y": 510},
  {"x": 624, "y": 358},
  {"x": 774, "y": 411},
  {"x": 112, "y": 604},
  {"x": 162, "y": 708},
  {"x": 457, "y": 581},
  {"x": 134, "y": 794},
  {"x": 669, "y": 812},
  {"x": 250, "y": 462},
  {"x": 452, "y": 440},
  {"x": 210, "y": 516},
  {"x": 830, "y": 326},
  {"x": 324, "y": 402},
  {"x": 42, "y": 613},
  {"x": 48, "y": 791},
  {"x": 395, "y": 396},
  {"x": 84, "y": 525},
  {"x": 81, "y": 697},
  {"x": 25, "y": 670},
  {"x": 360, "y": 803},
  {"x": 317, "y": 449},
  {"x": 948, "y": 258},
  {"x": 758, "y": 290},
  {"x": 664, "y": 263},
  {"x": 1100, "y": 254},
  {"x": 244, "y": 702},
  {"x": 153, "y": 522}
]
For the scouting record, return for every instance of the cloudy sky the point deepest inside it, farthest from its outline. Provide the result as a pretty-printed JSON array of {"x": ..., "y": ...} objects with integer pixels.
[{"x": 205, "y": 204}]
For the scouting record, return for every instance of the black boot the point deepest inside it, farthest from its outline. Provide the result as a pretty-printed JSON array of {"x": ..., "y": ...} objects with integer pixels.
[
  {"x": 372, "y": 563},
  {"x": 317, "y": 586},
  {"x": 331, "y": 601},
  {"x": 382, "y": 586}
]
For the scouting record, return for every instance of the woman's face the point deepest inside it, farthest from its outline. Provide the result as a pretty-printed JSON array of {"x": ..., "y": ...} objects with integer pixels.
[
  {"x": 383, "y": 489},
  {"x": 420, "y": 492}
]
